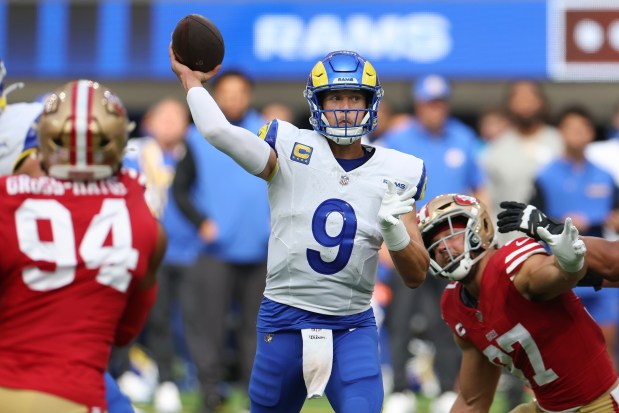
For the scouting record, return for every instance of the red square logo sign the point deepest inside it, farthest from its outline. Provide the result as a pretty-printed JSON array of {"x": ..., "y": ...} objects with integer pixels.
[{"x": 583, "y": 40}]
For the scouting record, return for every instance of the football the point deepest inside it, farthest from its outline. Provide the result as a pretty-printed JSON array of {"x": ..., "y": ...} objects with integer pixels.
[{"x": 197, "y": 43}]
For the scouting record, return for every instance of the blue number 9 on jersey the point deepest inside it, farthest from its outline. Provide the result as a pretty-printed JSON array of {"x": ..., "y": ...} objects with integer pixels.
[{"x": 345, "y": 239}]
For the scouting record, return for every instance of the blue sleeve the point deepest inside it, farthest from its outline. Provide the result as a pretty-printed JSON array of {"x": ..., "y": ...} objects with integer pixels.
[{"x": 117, "y": 402}]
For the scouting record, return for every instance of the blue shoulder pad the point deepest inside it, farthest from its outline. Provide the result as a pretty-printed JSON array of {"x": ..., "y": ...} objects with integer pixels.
[{"x": 268, "y": 133}]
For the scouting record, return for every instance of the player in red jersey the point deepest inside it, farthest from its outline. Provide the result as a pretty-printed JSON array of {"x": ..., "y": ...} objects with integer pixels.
[
  {"x": 79, "y": 253},
  {"x": 513, "y": 307}
]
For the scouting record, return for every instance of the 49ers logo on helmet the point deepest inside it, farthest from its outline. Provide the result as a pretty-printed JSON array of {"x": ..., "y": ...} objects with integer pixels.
[
  {"x": 423, "y": 215},
  {"x": 465, "y": 200}
]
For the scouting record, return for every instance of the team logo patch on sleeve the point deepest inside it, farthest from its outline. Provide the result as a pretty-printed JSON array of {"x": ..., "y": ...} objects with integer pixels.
[{"x": 301, "y": 153}]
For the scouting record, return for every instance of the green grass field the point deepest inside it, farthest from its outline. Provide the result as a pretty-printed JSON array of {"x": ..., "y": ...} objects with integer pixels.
[{"x": 191, "y": 404}]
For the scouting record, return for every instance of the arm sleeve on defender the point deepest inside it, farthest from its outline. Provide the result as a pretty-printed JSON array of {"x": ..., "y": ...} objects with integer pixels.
[{"x": 249, "y": 151}]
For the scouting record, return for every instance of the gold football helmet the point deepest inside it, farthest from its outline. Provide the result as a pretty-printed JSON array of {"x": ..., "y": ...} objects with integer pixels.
[
  {"x": 82, "y": 132},
  {"x": 463, "y": 214}
]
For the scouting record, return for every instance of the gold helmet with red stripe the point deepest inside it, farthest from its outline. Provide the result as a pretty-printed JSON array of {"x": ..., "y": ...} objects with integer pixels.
[
  {"x": 82, "y": 132},
  {"x": 462, "y": 214}
]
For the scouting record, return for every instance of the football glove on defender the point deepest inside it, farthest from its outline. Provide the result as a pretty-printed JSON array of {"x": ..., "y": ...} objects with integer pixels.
[
  {"x": 393, "y": 206},
  {"x": 526, "y": 218},
  {"x": 567, "y": 248}
]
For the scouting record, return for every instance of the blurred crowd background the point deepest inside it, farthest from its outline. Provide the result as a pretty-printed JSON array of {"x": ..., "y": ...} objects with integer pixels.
[{"x": 513, "y": 100}]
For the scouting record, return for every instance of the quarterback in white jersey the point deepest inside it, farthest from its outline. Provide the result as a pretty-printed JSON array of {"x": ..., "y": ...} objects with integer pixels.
[
  {"x": 325, "y": 233},
  {"x": 333, "y": 203},
  {"x": 17, "y": 134}
]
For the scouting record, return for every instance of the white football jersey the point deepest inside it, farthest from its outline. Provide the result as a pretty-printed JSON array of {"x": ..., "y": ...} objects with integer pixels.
[
  {"x": 325, "y": 234},
  {"x": 15, "y": 122}
]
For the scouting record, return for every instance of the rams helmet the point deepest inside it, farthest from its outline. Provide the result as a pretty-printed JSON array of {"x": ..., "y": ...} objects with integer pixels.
[
  {"x": 343, "y": 70},
  {"x": 462, "y": 214},
  {"x": 82, "y": 132}
]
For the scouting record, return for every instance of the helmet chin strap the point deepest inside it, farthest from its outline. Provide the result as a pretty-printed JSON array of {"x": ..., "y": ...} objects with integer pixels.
[
  {"x": 464, "y": 267},
  {"x": 462, "y": 270}
]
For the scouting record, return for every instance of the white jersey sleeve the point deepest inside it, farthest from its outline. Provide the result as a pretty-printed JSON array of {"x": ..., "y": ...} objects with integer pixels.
[
  {"x": 15, "y": 122},
  {"x": 325, "y": 234}
]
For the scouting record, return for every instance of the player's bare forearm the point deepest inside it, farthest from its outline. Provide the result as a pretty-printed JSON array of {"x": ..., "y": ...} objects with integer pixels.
[
  {"x": 603, "y": 257},
  {"x": 478, "y": 380},
  {"x": 542, "y": 278},
  {"x": 413, "y": 261}
]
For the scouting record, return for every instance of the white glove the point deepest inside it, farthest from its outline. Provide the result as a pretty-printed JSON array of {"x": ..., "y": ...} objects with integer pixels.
[
  {"x": 394, "y": 231},
  {"x": 568, "y": 249}
]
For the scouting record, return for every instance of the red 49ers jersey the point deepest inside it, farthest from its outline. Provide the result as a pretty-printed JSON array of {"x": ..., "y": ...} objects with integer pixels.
[
  {"x": 69, "y": 252},
  {"x": 554, "y": 346}
]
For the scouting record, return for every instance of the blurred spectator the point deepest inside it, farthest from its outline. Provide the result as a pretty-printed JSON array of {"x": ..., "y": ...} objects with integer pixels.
[
  {"x": 572, "y": 186},
  {"x": 278, "y": 111},
  {"x": 513, "y": 159},
  {"x": 229, "y": 276},
  {"x": 387, "y": 120},
  {"x": 605, "y": 153},
  {"x": 448, "y": 148},
  {"x": 492, "y": 123},
  {"x": 613, "y": 128},
  {"x": 165, "y": 125}
]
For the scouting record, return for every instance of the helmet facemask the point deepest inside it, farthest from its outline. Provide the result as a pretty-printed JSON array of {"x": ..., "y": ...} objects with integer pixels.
[
  {"x": 460, "y": 264},
  {"x": 339, "y": 71},
  {"x": 470, "y": 220}
]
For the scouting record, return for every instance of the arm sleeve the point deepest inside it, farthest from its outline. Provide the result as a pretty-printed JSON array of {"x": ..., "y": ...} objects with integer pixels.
[
  {"x": 184, "y": 178},
  {"x": 139, "y": 303},
  {"x": 249, "y": 151}
]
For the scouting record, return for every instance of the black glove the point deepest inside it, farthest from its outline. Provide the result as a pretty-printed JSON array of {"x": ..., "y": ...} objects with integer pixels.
[{"x": 525, "y": 218}]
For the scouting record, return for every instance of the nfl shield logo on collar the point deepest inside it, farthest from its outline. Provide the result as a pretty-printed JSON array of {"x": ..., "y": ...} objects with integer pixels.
[{"x": 344, "y": 180}]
